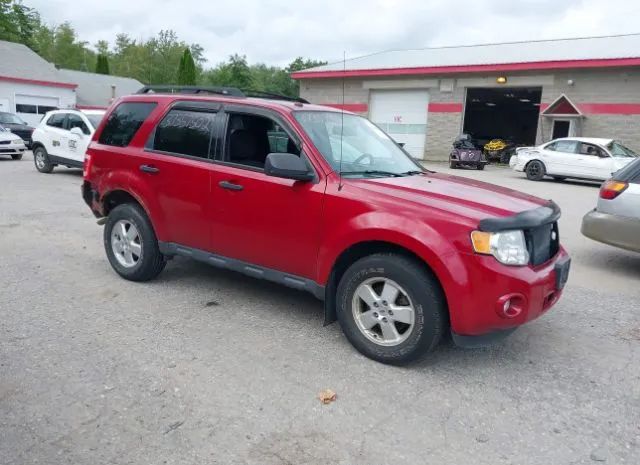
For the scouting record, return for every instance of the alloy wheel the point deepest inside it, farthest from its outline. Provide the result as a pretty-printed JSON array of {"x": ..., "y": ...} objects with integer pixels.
[
  {"x": 126, "y": 243},
  {"x": 383, "y": 311}
]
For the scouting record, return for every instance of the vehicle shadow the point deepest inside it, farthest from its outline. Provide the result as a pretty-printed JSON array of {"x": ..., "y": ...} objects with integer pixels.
[{"x": 573, "y": 182}]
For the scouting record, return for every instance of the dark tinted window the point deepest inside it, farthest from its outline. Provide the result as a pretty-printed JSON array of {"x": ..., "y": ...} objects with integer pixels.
[
  {"x": 26, "y": 108},
  {"x": 589, "y": 149},
  {"x": 57, "y": 120},
  {"x": 124, "y": 122},
  {"x": 74, "y": 121},
  {"x": 186, "y": 132}
]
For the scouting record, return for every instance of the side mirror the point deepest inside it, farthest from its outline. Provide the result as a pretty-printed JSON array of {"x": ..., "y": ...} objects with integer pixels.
[
  {"x": 77, "y": 131},
  {"x": 288, "y": 166}
]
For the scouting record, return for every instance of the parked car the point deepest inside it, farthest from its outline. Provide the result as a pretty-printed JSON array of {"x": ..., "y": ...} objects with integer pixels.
[
  {"x": 62, "y": 138},
  {"x": 616, "y": 219},
  {"x": 399, "y": 254},
  {"x": 10, "y": 144},
  {"x": 465, "y": 154},
  {"x": 17, "y": 126},
  {"x": 573, "y": 157}
]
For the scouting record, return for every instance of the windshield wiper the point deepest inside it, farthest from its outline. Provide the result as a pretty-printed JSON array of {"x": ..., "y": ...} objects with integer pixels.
[
  {"x": 374, "y": 173},
  {"x": 412, "y": 173}
]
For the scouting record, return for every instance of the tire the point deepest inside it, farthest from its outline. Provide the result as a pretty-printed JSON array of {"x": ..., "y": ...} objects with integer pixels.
[
  {"x": 16, "y": 157},
  {"x": 480, "y": 166},
  {"x": 140, "y": 242},
  {"x": 505, "y": 157},
  {"x": 453, "y": 165},
  {"x": 535, "y": 170},
  {"x": 41, "y": 160},
  {"x": 419, "y": 296}
]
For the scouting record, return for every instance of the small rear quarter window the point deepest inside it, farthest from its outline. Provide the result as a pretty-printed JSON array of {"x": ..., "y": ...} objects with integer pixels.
[{"x": 123, "y": 123}]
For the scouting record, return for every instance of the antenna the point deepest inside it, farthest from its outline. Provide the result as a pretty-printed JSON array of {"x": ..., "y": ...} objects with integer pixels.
[{"x": 344, "y": 71}]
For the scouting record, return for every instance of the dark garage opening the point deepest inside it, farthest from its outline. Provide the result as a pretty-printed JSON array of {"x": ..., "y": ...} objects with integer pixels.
[{"x": 509, "y": 113}]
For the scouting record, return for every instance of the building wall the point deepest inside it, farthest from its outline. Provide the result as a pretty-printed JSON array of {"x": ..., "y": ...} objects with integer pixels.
[
  {"x": 8, "y": 90},
  {"x": 589, "y": 87}
]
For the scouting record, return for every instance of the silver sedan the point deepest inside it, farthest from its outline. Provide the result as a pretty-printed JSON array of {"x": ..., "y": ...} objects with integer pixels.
[{"x": 616, "y": 219}]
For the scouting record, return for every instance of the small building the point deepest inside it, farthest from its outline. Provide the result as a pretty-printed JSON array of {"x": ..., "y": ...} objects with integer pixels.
[
  {"x": 527, "y": 92},
  {"x": 97, "y": 91},
  {"x": 29, "y": 85}
]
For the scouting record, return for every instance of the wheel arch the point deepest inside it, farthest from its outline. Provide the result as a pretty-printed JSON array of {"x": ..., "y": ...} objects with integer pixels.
[{"x": 363, "y": 249}]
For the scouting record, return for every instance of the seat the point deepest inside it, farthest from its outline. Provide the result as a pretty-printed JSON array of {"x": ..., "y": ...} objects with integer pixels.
[{"x": 243, "y": 148}]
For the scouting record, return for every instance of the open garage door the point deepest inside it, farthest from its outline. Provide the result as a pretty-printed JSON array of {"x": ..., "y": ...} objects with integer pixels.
[
  {"x": 403, "y": 115},
  {"x": 509, "y": 113}
]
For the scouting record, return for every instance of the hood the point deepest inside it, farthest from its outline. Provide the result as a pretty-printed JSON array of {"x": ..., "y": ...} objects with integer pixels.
[
  {"x": 465, "y": 197},
  {"x": 4, "y": 135}
]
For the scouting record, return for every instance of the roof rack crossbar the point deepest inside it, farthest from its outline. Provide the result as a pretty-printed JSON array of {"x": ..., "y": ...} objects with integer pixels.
[
  {"x": 274, "y": 96},
  {"x": 178, "y": 89}
]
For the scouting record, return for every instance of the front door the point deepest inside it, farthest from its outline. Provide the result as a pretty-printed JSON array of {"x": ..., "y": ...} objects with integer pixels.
[
  {"x": 268, "y": 221},
  {"x": 75, "y": 144},
  {"x": 563, "y": 128},
  {"x": 594, "y": 162}
]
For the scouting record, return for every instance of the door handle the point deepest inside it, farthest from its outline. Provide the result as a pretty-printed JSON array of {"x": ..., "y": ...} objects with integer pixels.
[
  {"x": 149, "y": 169},
  {"x": 231, "y": 186}
]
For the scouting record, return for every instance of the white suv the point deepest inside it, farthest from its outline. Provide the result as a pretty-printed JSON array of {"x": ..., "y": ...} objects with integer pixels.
[{"x": 62, "y": 138}]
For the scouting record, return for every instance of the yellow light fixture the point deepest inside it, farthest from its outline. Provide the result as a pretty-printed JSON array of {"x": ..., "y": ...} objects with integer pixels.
[{"x": 501, "y": 79}]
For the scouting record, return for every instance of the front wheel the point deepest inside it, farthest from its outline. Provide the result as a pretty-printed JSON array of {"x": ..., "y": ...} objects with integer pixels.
[
  {"x": 480, "y": 166},
  {"x": 535, "y": 170},
  {"x": 131, "y": 244},
  {"x": 453, "y": 165},
  {"x": 41, "y": 160},
  {"x": 16, "y": 157},
  {"x": 391, "y": 308}
]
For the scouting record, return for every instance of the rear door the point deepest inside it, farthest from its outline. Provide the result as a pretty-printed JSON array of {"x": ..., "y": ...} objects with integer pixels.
[
  {"x": 259, "y": 219},
  {"x": 560, "y": 157},
  {"x": 54, "y": 134}
]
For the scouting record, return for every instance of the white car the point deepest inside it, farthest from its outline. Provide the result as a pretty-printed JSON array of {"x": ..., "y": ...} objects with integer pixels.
[
  {"x": 573, "y": 157},
  {"x": 10, "y": 144},
  {"x": 62, "y": 138}
]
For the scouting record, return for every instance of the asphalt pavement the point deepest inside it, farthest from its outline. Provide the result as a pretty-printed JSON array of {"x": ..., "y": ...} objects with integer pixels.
[{"x": 204, "y": 366}]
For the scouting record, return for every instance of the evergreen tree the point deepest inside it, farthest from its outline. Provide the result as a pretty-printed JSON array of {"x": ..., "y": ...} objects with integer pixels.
[
  {"x": 102, "y": 64},
  {"x": 187, "y": 69}
]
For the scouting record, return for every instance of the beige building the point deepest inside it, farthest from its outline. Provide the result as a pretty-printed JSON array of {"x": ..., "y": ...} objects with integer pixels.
[{"x": 527, "y": 92}]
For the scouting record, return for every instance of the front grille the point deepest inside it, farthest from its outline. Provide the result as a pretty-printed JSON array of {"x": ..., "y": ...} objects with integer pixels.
[
  {"x": 8, "y": 150},
  {"x": 5, "y": 142},
  {"x": 543, "y": 243}
]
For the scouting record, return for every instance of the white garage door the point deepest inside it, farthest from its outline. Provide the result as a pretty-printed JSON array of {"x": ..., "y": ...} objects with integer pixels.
[
  {"x": 403, "y": 115},
  {"x": 32, "y": 108}
]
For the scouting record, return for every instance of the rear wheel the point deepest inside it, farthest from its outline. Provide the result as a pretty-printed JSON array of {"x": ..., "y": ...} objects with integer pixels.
[
  {"x": 41, "y": 160},
  {"x": 16, "y": 157},
  {"x": 390, "y": 308},
  {"x": 453, "y": 165},
  {"x": 480, "y": 166},
  {"x": 535, "y": 170},
  {"x": 131, "y": 244}
]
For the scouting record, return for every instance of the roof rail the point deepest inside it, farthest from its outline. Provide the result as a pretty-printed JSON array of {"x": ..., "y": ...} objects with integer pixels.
[
  {"x": 177, "y": 89},
  {"x": 274, "y": 96}
]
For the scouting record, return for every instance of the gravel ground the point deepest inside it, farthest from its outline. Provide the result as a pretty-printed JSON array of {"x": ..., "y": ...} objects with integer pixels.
[{"x": 209, "y": 367}]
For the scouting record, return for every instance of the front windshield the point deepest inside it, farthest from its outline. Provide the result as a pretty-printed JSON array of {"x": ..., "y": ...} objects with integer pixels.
[
  {"x": 8, "y": 118},
  {"x": 364, "y": 148},
  {"x": 94, "y": 119},
  {"x": 619, "y": 150}
]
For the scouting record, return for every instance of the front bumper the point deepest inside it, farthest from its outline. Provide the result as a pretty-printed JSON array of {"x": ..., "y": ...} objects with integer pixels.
[
  {"x": 12, "y": 149},
  {"x": 618, "y": 231}
]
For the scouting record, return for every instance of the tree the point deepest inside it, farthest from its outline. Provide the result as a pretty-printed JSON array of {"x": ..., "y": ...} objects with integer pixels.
[
  {"x": 187, "y": 69},
  {"x": 234, "y": 73},
  {"x": 102, "y": 64},
  {"x": 18, "y": 23}
]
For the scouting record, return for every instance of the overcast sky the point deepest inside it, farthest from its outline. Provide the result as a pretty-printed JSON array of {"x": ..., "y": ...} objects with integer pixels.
[{"x": 276, "y": 31}]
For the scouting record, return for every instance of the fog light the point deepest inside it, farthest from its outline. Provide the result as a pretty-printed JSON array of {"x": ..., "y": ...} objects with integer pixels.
[{"x": 510, "y": 305}]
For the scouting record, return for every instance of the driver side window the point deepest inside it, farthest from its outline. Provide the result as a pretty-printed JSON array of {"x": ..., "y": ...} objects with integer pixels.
[
  {"x": 250, "y": 138},
  {"x": 589, "y": 149}
]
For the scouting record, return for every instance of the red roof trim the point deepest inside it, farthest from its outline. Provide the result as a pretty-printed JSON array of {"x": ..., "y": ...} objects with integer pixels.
[
  {"x": 36, "y": 82},
  {"x": 354, "y": 107},
  {"x": 538, "y": 65},
  {"x": 445, "y": 108},
  {"x": 610, "y": 108}
]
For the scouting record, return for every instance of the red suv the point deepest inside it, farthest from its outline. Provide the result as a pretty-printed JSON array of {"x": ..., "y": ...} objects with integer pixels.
[{"x": 324, "y": 201}]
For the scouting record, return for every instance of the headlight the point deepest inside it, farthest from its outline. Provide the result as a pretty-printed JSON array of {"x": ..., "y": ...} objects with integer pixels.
[
  {"x": 508, "y": 247},
  {"x": 17, "y": 141}
]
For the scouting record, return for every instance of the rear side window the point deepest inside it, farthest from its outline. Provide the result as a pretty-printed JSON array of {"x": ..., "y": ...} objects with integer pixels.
[
  {"x": 566, "y": 146},
  {"x": 186, "y": 132},
  {"x": 57, "y": 120},
  {"x": 124, "y": 122}
]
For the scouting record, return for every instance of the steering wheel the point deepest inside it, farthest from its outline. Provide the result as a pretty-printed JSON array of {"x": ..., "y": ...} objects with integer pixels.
[{"x": 363, "y": 157}]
